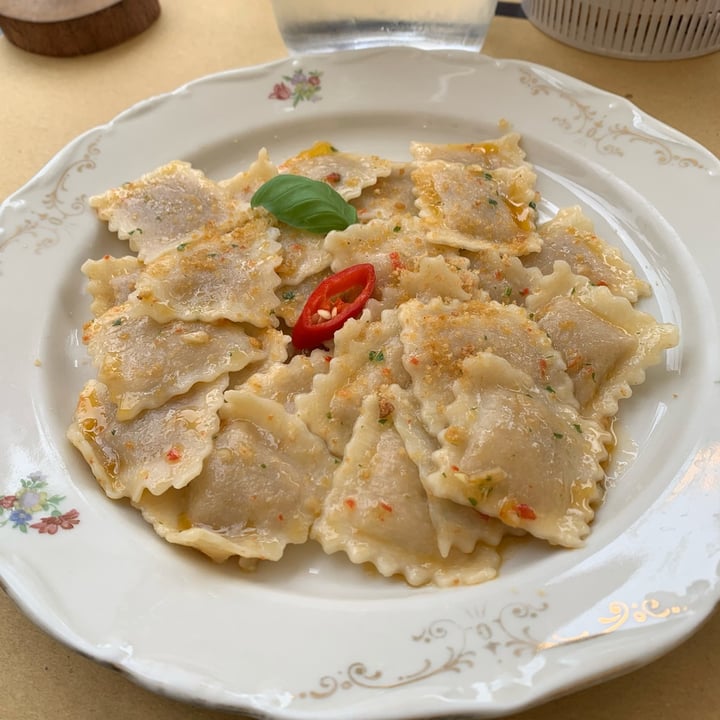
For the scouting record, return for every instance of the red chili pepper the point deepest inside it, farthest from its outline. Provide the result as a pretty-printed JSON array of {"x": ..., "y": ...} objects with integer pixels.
[{"x": 333, "y": 302}]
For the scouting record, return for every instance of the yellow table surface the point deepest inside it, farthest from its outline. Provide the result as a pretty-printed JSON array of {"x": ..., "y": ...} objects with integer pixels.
[{"x": 47, "y": 102}]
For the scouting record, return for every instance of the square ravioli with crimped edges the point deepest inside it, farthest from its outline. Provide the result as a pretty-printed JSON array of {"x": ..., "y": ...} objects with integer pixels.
[{"x": 466, "y": 402}]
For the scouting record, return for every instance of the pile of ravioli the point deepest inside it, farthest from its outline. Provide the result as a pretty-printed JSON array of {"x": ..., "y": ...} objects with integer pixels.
[{"x": 472, "y": 399}]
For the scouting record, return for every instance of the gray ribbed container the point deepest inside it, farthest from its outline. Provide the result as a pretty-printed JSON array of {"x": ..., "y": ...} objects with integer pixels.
[{"x": 636, "y": 29}]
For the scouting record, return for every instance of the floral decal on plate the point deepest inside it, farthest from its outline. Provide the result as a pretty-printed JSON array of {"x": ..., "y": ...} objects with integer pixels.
[
  {"x": 298, "y": 87},
  {"x": 19, "y": 510}
]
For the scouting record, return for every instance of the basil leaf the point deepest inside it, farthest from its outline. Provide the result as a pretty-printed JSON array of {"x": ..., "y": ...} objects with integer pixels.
[{"x": 304, "y": 203}]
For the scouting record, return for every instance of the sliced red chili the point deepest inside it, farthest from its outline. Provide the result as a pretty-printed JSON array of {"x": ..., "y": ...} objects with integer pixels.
[{"x": 333, "y": 302}]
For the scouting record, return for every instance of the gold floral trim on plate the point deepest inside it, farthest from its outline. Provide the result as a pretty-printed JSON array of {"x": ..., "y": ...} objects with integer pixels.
[
  {"x": 595, "y": 126},
  {"x": 59, "y": 204},
  {"x": 621, "y": 614},
  {"x": 451, "y": 647},
  {"x": 448, "y": 646}
]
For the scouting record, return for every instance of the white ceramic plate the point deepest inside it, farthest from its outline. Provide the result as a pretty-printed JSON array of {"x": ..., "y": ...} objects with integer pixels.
[{"x": 314, "y": 636}]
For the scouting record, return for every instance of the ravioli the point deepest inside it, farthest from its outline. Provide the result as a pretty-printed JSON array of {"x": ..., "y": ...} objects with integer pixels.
[
  {"x": 377, "y": 512},
  {"x": 440, "y": 276},
  {"x": 468, "y": 207},
  {"x": 367, "y": 359},
  {"x": 469, "y": 401},
  {"x": 387, "y": 245},
  {"x": 503, "y": 277},
  {"x": 570, "y": 236},
  {"x": 303, "y": 255},
  {"x": 283, "y": 382},
  {"x": 166, "y": 207},
  {"x": 157, "y": 450},
  {"x": 607, "y": 344},
  {"x": 439, "y": 335},
  {"x": 457, "y": 525},
  {"x": 243, "y": 185},
  {"x": 391, "y": 196},
  {"x": 145, "y": 363},
  {"x": 260, "y": 489},
  {"x": 515, "y": 452},
  {"x": 347, "y": 173},
  {"x": 111, "y": 281},
  {"x": 504, "y": 151},
  {"x": 182, "y": 284}
]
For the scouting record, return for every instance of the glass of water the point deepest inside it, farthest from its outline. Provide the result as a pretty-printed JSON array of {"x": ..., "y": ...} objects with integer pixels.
[{"x": 311, "y": 26}]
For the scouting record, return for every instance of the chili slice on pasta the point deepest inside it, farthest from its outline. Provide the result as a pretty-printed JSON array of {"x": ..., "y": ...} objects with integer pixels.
[{"x": 333, "y": 302}]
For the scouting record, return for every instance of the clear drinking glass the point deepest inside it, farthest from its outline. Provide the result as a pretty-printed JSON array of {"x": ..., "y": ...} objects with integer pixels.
[{"x": 309, "y": 26}]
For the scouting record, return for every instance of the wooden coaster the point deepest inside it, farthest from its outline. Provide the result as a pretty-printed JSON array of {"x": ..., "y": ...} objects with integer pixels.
[{"x": 64, "y": 28}]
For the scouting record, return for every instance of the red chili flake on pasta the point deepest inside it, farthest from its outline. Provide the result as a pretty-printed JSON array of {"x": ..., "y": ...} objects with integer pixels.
[
  {"x": 396, "y": 261},
  {"x": 386, "y": 507},
  {"x": 173, "y": 454},
  {"x": 350, "y": 502},
  {"x": 575, "y": 363},
  {"x": 525, "y": 511},
  {"x": 542, "y": 363}
]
